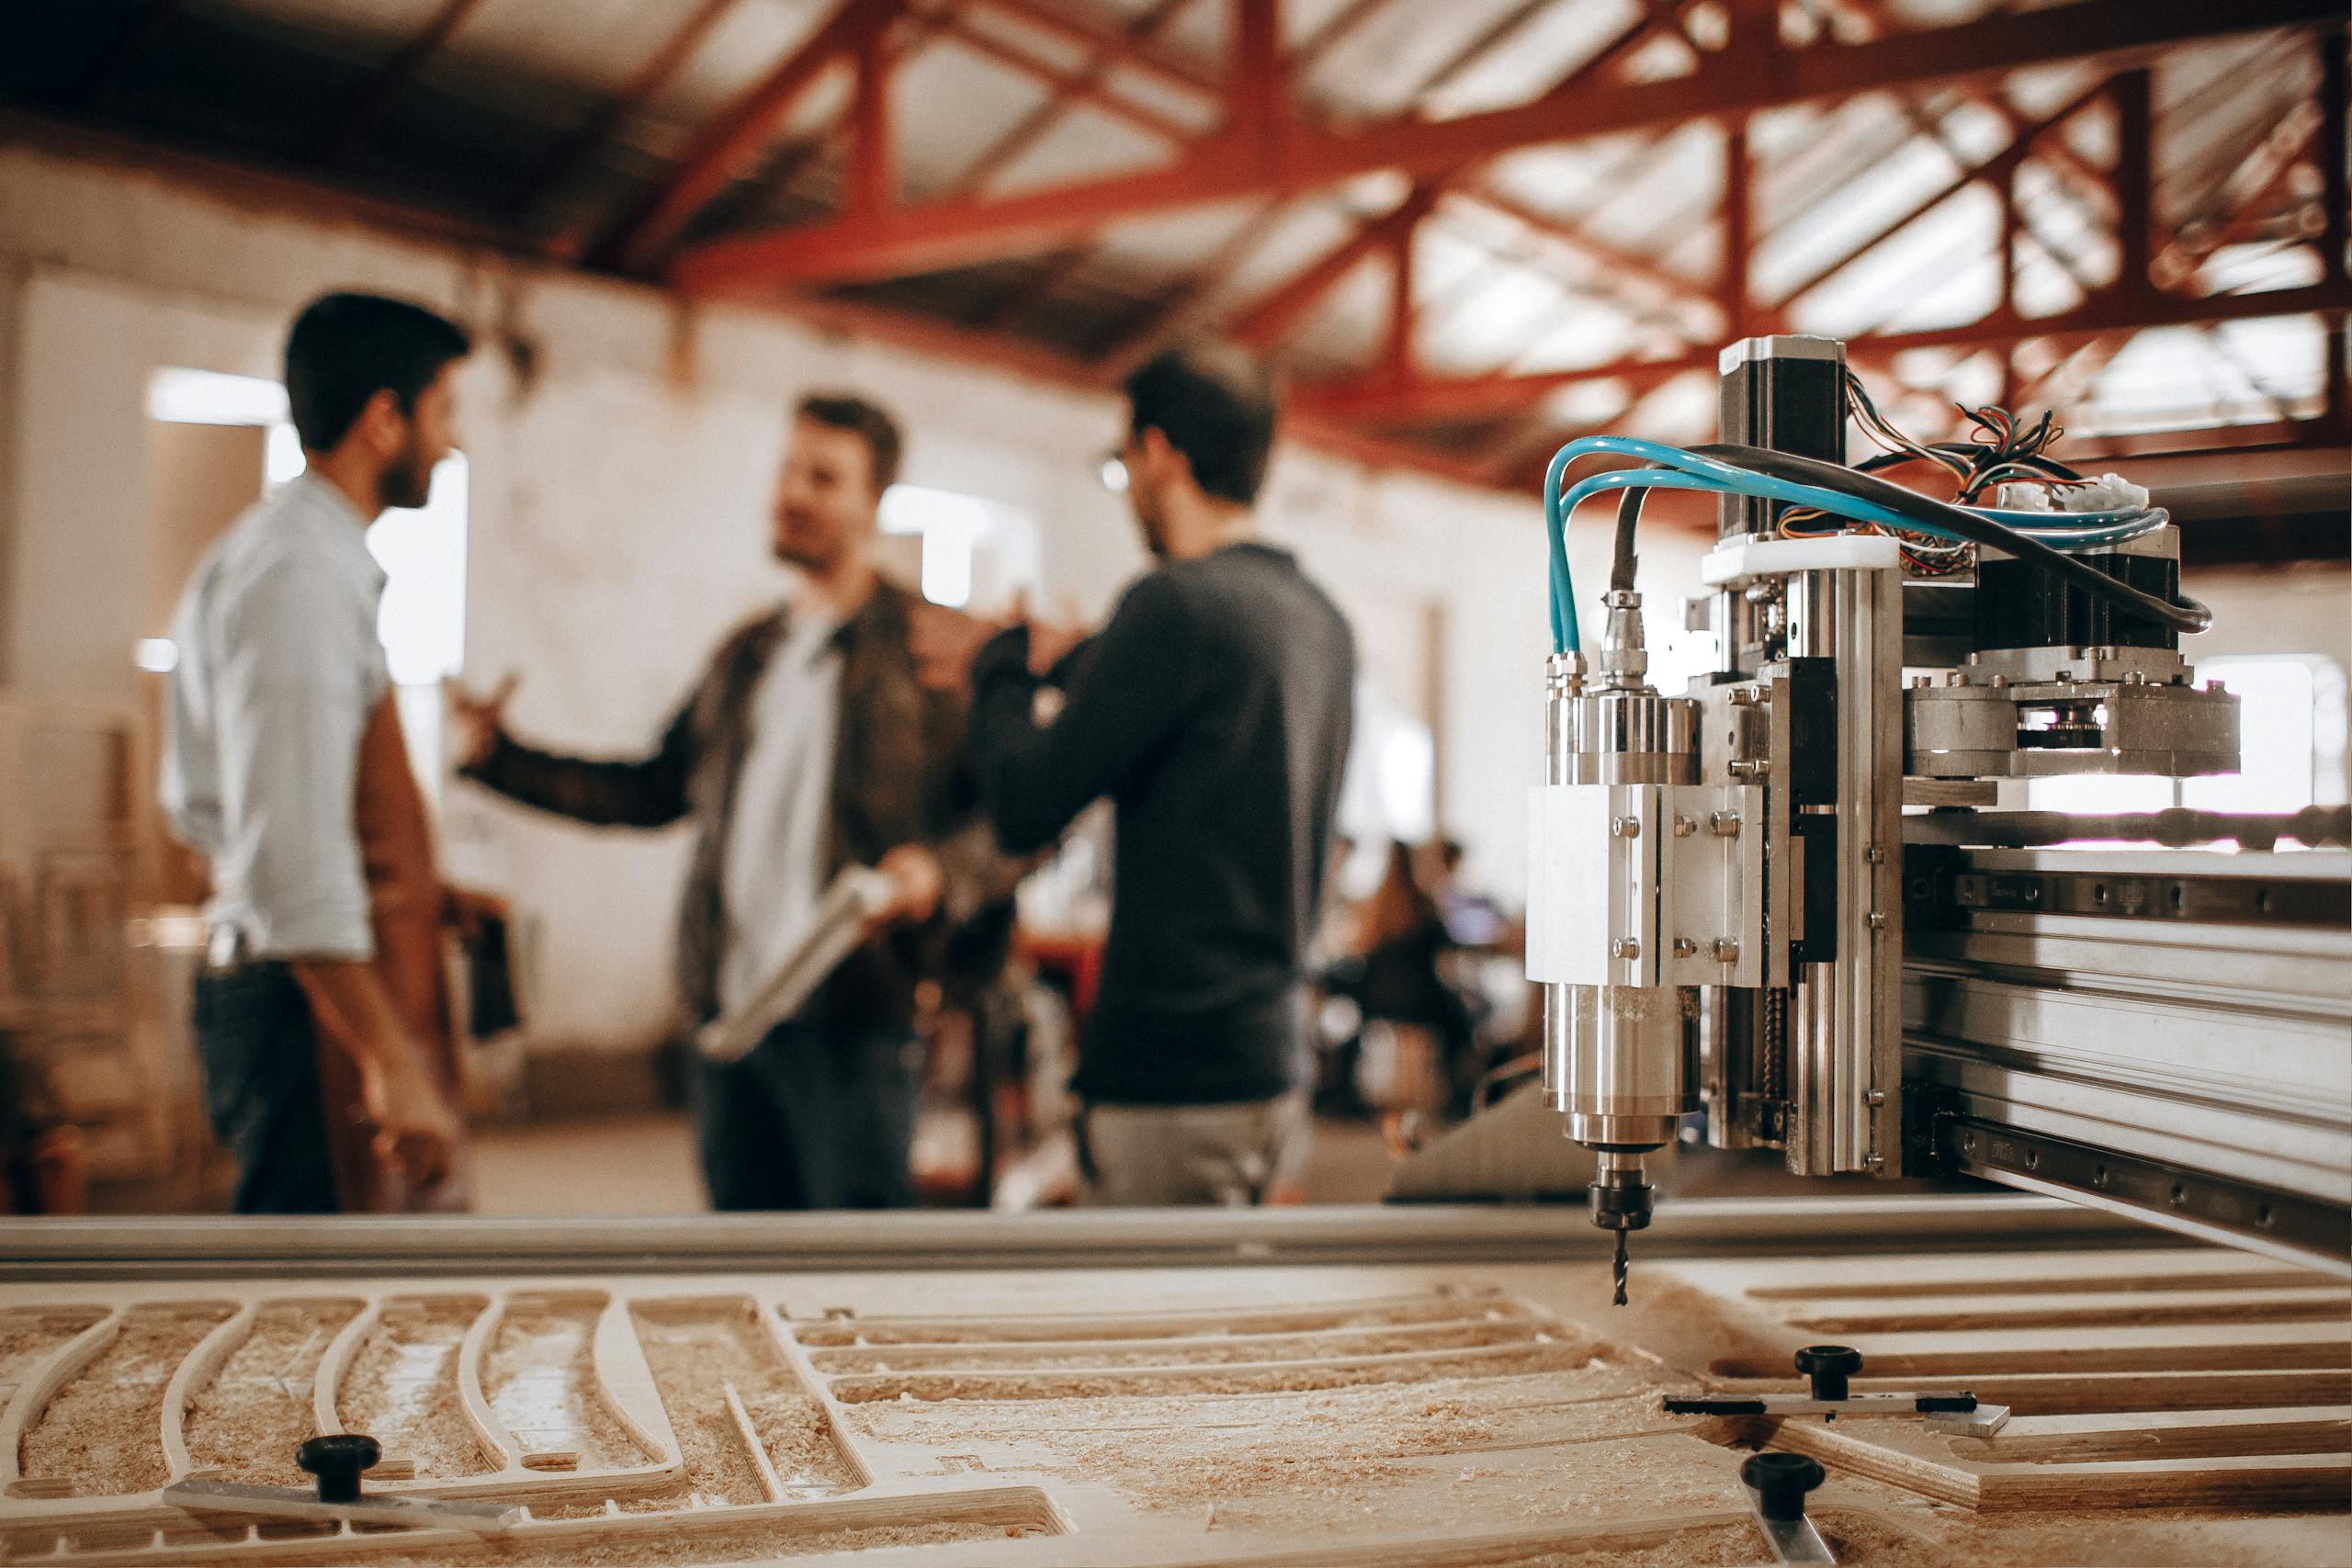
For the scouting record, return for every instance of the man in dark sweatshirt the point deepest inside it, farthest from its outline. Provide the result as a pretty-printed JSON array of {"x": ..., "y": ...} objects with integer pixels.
[{"x": 1214, "y": 710}]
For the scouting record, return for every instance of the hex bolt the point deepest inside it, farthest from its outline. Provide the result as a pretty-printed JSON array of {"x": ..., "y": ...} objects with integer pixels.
[
  {"x": 1725, "y": 950},
  {"x": 1952, "y": 677},
  {"x": 1875, "y": 855},
  {"x": 1876, "y": 920},
  {"x": 1919, "y": 682},
  {"x": 1683, "y": 826},
  {"x": 1684, "y": 947}
]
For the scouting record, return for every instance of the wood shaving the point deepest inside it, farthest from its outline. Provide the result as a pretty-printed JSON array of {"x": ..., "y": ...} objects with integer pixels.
[
  {"x": 258, "y": 1409},
  {"x": 1437, "y": 1306},
  {"x": 103, "y": 1431},
  {"x": 540, "y": 1380},
  {"x": 401, "y": 1388},
  {"x": 30, "y": 1336},
  {"x": 1208, "y": 1352},
  {"x": 694, "y": 1350},
  {"x": 1299, "y": 1378}
]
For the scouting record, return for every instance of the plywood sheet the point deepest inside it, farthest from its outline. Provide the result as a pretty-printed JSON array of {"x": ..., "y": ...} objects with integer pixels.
[{"x": 1276, "y": 1416}]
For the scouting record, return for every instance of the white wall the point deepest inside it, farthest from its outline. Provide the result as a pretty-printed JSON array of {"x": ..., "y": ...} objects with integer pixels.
[{"x": 618, "y": 510}]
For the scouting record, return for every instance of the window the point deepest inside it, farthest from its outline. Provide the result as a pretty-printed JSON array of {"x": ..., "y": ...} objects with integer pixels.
[
  {"x": 973, "y": 551},
  {"x": 422, "y": 620}
]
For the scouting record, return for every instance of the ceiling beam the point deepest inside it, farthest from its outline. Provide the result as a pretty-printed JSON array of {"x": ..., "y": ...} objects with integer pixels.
[
  {"x": 1466, "y": 397},
  {"x": 573, "y": 153},
  {"x": 368, "y": 105},
  {"x": 956, "y": 232},
  {"x": 734, "y": 137}
]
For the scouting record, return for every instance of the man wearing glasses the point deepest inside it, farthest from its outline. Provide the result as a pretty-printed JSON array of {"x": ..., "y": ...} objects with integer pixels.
[{"x": 1214, "y": 710}]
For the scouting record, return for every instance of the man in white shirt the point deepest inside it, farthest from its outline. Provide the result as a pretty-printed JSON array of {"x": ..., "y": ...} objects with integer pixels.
[{"x": 279, "y": 684}]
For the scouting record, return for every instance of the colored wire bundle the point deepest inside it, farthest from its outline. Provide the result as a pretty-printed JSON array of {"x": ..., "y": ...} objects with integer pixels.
[{"x": 1858, "y": 497}]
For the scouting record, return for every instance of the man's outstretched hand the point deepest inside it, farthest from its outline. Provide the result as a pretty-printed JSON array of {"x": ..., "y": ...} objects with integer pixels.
[{"x": 476, "y": 723}]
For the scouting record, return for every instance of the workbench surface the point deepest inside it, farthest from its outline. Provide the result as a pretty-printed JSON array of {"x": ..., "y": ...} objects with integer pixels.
[{"x": 2170, "y": 1407}]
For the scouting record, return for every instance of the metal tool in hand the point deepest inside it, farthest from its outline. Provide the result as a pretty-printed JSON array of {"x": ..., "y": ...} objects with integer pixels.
[
  {"x": 1777, "y": 1484},
  {"x": 1828, "y": 1369},
  {"x": 338, "y": 1460},
  {"x": 850, "y": 902}
]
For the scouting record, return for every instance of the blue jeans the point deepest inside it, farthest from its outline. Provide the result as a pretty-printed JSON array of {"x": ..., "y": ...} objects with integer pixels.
[
  {"x": 811, "y": 1119},
  {"x": 260, "y": 1052}
]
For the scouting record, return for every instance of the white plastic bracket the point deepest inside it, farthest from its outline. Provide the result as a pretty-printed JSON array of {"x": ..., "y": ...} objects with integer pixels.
[{"x": 1738, "y": 560}]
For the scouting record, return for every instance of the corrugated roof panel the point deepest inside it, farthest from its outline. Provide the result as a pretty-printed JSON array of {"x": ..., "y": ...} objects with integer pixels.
[
  {"x": 1084, "y": 143},
  {"x": 948, "y": 106},
  {"x": 1166, "y": 248},
  {"x": 750, "y": 40},
  {"x": 1539, "y": 53},
  {"x": 597, "y": 46},
  {"x": 1381, "y": 66}
]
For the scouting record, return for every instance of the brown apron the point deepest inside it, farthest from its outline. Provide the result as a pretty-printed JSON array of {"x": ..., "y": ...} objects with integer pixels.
[{"x": 404, "y": 901}]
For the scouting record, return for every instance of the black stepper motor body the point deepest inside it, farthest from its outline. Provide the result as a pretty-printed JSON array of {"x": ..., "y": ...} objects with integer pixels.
[
  {"x": 2019, "y": 604},
  {"x": 1787, "y": 394}
]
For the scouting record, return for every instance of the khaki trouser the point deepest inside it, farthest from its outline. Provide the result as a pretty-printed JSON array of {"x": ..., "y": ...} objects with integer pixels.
[{"x": 1233, "y": 1155}]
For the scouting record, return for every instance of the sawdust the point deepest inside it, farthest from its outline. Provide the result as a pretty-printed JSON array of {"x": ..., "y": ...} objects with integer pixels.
[
  {"x": 103, "y": 1431},
  {"x": 540, "y": 1379},
  {"x": 247, "y": 1422},
  {"x": 402, "y": 1387},
  {"x": 1207, "y": 1351},
  {"x": 29, "y": 1334},
  {"x": 1297, "y": 1378},
  {"x": 1435, "y": 1307},
  {"x": 1853, "y": 1539},
  {"x": 694, "y": 1350}
]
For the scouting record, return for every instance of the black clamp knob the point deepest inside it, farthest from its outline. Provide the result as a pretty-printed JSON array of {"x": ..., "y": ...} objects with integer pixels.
[
  {"x": 1828, "y": 1367},
  {"x": 338, "y": 1460},
  {"x": 1780, "y": 1481}
]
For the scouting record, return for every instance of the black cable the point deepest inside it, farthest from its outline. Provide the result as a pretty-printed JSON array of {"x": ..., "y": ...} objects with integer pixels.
[
  {"x": 1629, "y": 517},
  {"x": 2186, "y": 615}
]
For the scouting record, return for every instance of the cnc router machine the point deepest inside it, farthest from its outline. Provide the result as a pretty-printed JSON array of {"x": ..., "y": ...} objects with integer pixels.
[{"x": 1787, "y": 899}]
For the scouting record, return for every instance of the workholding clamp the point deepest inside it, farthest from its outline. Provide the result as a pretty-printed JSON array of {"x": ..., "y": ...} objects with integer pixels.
[
  {"x": 1829, "y": 1371},
  {"x": 338, "y": 1460}
]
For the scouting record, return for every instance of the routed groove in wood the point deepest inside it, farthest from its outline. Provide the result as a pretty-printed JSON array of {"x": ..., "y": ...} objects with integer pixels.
[
  {"x": 696, "y": 1349},
  {"x": 102, "y": 1430},
  {"x": 247, "y": 1420},
  {"x": 401, "y": 1389}
]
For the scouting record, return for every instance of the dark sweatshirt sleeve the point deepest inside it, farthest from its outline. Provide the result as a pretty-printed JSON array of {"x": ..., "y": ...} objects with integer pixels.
[
  {"x": 649, "y": 791},
  {"x": 1137, "y": 682}
]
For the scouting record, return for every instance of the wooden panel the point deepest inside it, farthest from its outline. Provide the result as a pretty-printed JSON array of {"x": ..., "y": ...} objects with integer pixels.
[
  {"x": 1294, "y": 1417},
  {"x": 2135, "y": 1380}
]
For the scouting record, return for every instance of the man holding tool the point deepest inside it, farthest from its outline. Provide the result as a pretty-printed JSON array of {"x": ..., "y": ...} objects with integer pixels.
[{"x": 808, "y": 748}]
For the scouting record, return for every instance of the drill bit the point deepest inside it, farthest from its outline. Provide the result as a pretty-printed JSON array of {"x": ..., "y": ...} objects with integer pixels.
[{"x": 1620, "y": 1268}]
